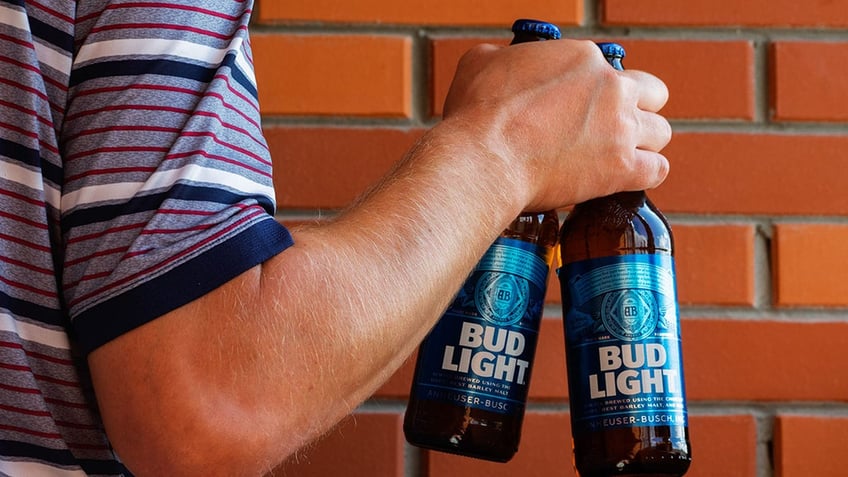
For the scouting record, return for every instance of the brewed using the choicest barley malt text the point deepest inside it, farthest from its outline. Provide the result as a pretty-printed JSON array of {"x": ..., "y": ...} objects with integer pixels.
[
  {"x": 473, "y": 369},
  {"x": 625, "y": 371}
]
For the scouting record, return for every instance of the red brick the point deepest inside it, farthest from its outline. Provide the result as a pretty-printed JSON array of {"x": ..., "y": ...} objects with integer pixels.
[
  {"x": 759, "y": 360},
  {"x": 549, "y": 380},
  {"x": 712, "y": 173},
  {"x": 755, "y": 13},
  {"x": 329, "y": 167},
  {"x": 800, "y": 68},
  {"x": 809, "y": 264},
  {"x": 723, "y": 446},
  {"x": 421, "y": 12},
  {"x": 715, "y": 264},
  {"x": 770, "y": 174},
  {"x": 687, "y": 67},
  {"x": 809, "y": 445},
  {"x": 545, "y": 450},
  {"x": 366, "y": 445},
  {"x": 690, "y": 69},
  {"x": 356, "y": 75}
]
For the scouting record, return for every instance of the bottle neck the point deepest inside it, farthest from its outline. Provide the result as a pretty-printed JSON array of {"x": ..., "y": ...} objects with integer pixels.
[
  {"x": 615, "y": 61},
  {"x": 630, "y": 200},
  {"x": 526, "y": 37}
]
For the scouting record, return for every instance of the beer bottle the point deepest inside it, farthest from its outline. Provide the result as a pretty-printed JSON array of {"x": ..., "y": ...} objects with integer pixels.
[
  {"x": 625, "y": 375},
  {"x": 473, "y": 369}
]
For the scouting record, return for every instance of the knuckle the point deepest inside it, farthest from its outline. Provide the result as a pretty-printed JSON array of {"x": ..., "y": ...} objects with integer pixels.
[
  {"x": 477, "y": 52},
  {"x": 588, "y": 47}
]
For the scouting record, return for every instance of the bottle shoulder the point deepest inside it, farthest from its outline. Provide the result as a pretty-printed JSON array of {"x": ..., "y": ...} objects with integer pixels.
[
  {"x": 540, "y": 228},
  {"x": 620, "y": 224}
]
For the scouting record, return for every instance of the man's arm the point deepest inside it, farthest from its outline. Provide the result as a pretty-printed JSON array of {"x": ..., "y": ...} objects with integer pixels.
[{"x": 236, "y": 381}]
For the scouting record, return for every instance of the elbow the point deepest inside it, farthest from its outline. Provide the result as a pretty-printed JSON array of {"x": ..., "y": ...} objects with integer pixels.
[{"x": 214, "y": 442}]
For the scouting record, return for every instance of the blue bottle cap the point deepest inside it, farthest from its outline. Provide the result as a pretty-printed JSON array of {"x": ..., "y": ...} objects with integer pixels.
[
  {"x": 613, "y": 50},
  {"x": 536, "y": 27}
]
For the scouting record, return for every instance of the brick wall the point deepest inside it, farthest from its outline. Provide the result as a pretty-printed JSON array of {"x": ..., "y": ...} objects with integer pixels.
[{"x": 757, "y": 198}]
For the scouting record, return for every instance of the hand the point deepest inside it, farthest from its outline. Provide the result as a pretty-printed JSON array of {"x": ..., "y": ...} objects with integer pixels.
[{"x": 566, "y": 126}]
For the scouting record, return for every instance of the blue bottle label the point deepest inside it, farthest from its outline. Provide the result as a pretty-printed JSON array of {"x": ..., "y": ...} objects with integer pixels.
[
  {"x": 623, "y": 343},
  {"x": 479, "y": 354}
]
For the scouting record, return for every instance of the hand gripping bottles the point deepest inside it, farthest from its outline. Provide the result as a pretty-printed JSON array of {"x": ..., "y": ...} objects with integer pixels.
[
  {"x": 473, "y": 369},
  {"x": 625, "y": 374}
]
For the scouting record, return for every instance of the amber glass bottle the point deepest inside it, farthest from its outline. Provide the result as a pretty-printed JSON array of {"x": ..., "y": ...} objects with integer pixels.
[
  {"x": 625, "y": 372},
  {"x": 473, "y": 370}
]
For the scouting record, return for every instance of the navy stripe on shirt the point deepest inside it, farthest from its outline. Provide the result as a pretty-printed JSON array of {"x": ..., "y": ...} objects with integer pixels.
[
  {"x": 111, "y": 69},
  {"x": 110, "y": 319},
  {"x": 152, "y": 202}
]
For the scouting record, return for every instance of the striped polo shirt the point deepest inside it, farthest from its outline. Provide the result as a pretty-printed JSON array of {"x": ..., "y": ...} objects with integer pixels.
[{"x": 134, "y": 178}]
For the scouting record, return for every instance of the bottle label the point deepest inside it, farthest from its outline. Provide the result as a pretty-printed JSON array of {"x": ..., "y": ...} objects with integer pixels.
[
  {"x": 623, "y": 343},
  {"x": 479, "y": 353}
]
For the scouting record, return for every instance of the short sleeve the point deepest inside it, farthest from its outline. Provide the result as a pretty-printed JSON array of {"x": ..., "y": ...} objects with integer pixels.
[{"x": 167, "y": 187}]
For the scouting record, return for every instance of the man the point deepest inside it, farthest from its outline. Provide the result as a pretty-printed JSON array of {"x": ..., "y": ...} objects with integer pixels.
[{"x": 153, "y": 315}]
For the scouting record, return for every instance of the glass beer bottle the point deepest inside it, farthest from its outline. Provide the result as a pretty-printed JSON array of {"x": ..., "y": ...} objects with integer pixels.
[
  {"x": 625, "y": 373},
  {"x": 473, "y": 369}
]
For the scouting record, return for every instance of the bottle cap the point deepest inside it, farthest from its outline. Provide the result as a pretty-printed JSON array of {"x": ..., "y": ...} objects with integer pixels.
[
  {"x": 612, "y": 50},
  {"x": 536, "y": 27}
]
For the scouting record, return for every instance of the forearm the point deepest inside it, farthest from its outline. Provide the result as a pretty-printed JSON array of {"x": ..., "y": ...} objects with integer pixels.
[{"x": 387, "y": 268}]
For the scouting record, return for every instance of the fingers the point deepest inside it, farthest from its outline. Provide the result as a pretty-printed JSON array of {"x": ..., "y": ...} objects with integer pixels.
[
  {"x": 654, "y": 131},
  {"x": 652, "y": 170},
  {"x": 607, "y": 132},
  {"x": 649, "y": 167},
  {"x": 652, "y": 92}
]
